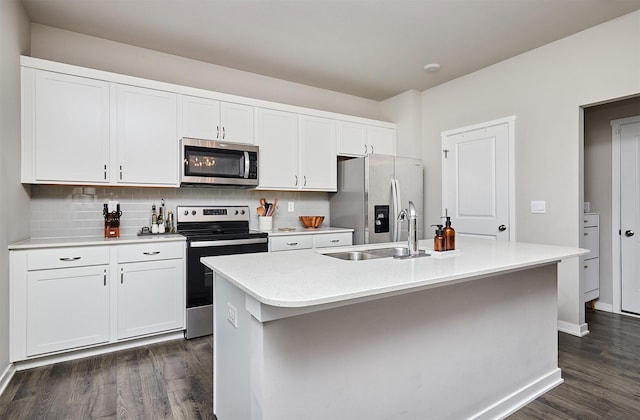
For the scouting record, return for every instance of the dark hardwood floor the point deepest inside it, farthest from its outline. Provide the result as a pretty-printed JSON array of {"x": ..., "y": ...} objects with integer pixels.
[
  {"x": 173, "y": 381},
  {"x": 601, "y": 373}
]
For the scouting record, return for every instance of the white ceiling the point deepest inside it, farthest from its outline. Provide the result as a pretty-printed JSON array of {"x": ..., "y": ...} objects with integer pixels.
[{"x": 369, "y": 48}]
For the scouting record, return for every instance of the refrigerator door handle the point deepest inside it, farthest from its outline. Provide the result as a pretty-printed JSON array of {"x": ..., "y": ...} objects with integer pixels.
[{"x": 397, "y": 202}]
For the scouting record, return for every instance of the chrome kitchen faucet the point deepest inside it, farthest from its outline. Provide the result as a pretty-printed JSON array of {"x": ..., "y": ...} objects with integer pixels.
[{"x": 411, "y": 215}]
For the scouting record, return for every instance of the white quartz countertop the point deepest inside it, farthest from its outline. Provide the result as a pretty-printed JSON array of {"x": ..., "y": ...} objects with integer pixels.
[
  {"x": 296, "y": 279},
  {"x": 36, "y": 243},
  {"x": 285, "y": 231}
]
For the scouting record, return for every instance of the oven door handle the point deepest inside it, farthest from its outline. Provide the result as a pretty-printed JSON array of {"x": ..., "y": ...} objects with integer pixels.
[{"x": 202, "y": 244}]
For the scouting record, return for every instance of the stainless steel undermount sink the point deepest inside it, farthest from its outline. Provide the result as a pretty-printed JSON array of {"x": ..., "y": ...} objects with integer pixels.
[{"x": 370, "y": 254}]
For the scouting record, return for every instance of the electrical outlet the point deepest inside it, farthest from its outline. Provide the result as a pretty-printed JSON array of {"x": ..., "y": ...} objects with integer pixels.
[
  {"x": 232, "y": 315},
  {"x": 290, "y": 206}
]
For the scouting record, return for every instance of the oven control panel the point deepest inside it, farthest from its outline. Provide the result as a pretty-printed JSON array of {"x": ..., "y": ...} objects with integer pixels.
[{"x": 212, "y": 213}]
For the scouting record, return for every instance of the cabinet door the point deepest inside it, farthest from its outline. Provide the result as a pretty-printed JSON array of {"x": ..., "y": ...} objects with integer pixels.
[
  {"x": 351, "y": 139},
  {"x": 381, "y": 141},
  {"x": 278, "y": 155},
  {"x": 150, "y": 297},
  {"x": 70, "y": 123},
  {"x": 591, "y": 241},
  {"x": 200, "y": 118},
  {"x": 67, "y": 308},
  {"x": 591, "y": 278},
  {"x": 318, "y": 163},
  {"x": 237, "y": 123},
  {"x": 147, "y": 137}
]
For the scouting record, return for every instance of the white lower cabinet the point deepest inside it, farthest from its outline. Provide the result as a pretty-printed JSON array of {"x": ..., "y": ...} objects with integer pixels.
[
  {"x": 70, "y": 298},
  {"x": 332, "y": 239},
  {"x": 150, "y": 297},
  {"x": 309, "y": 240},
  {"x": 67, "y": 308},
  {"x": 591, "y": 261},
  {"x": 290, "y": 242}
]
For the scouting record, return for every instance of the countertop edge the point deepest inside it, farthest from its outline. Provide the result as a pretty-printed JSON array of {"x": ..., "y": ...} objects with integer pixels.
[
  {"x": 304, "y": 231},
  {"x": 403, "y": 287},
  {"x": 40, "y": 243}
]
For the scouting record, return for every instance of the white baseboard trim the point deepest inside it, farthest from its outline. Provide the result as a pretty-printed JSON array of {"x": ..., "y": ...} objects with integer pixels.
[
  {"x": 602, "y": 306},
  {"x": 79, "y": 354},
  {"x": 573, "y": 329},
  {"x": 521, "y": 397},
  {"x": 6, "y": 376}
]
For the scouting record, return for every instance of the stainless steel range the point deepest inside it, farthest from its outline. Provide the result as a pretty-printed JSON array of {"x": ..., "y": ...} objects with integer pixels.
[{"x": 211, "y": 231}]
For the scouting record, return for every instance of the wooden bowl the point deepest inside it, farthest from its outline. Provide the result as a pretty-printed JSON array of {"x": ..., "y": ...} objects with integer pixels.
[{"x": 311, "y": 222}]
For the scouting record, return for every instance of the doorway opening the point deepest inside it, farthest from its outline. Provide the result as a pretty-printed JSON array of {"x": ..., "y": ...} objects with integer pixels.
[{"x": 602, "y": 193}]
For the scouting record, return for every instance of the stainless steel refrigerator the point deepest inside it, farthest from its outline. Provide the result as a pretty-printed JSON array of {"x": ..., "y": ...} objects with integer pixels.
[{"x": 371, "y": 192}]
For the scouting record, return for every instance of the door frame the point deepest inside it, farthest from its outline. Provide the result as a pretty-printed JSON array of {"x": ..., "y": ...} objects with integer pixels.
[
  {"x": 616, "y": 238},
  {"x": 510, "y": 121}
]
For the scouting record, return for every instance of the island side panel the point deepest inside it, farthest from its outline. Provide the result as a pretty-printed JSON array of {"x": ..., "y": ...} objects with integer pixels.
[
  {"x": 450, "y": 352},
  {"x": 232, "y": 352}
]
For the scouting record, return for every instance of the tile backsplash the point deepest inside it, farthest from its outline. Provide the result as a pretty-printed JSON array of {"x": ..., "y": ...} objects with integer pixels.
[{"x": 62, "y": 211}]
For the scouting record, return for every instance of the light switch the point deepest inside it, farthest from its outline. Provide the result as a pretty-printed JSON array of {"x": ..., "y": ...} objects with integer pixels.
[
  {"x": 538, "y": 207},
  {"x": 290, "y": 206}
]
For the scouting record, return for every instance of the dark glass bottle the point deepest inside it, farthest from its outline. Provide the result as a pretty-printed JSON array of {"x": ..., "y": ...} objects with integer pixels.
[{"x": 449, "y": 236}]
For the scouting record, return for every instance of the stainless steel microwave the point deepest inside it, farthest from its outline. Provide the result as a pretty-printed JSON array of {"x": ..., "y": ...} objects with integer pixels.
[{"x": 216, "y": 163}]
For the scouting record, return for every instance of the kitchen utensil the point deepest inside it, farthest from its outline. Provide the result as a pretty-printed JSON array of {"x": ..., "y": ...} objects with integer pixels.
[
  {"x": 311, "y": 222},
  {"x": 273, "y": 207}
]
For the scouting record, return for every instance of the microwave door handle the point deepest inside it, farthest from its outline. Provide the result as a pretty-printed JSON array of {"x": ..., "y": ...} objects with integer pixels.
[{"x": 246, "y": 165}]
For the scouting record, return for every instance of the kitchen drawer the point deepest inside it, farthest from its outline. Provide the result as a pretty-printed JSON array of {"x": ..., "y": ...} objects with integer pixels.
[
  {"x": 590, "y": 219},
  {"x": 591, "y": 241},
  {"x": 150, "y": 251},
  {"x": 67, "y": 257},
  {"x": 332, "y": 239},
  {"x": 289, "y": 243}
]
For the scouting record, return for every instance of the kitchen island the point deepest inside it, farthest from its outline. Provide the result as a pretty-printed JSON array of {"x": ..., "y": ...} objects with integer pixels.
[{"x": 302, "y": 335}]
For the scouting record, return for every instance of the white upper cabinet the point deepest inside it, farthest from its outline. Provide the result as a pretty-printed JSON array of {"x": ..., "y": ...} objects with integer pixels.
[
  {"x": 237, "y": 123},
  {"x": 200, "y": 118},
  {"x": 83, "y": 126},
  {"x": 78, "y": 130},
  {"x": 381, "y": 141},
  {"x": 297, "y": 152},
  {"x": 318, "y": 163},
  {"x": 204, "y": 118},
  {"x": 147, "y": 136},
  {"x": 352, "y": 139},
  {"x": 66, "y": 125},
  {"x": 355, "y": 139},
  {"x": 278, "y": 156}
]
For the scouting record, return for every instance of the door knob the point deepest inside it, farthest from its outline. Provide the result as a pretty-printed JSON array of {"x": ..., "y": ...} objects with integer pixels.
[
  {"x": 502, "y": 228},
  {"x": 629, "y": 233}
]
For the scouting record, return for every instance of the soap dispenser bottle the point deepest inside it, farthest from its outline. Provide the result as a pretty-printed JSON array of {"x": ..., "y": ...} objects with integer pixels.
[
  {"x": 438, "y": 240},
  {"x": 449, "y": 235}
]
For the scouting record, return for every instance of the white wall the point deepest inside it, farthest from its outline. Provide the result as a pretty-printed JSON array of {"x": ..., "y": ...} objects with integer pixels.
[
  {"x": 14, "y": 210},
  {"x": 405, "y": 110},
  {"x": 597, "y": 178},
  {"x": 544, "y": 89},
  {"x": 87, "y": 51}
]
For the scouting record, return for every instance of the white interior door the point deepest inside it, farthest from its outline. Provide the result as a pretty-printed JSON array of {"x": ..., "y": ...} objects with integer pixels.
[
  {"x": 477, "y": 180},
  {"x": 630, "y": 215}
]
